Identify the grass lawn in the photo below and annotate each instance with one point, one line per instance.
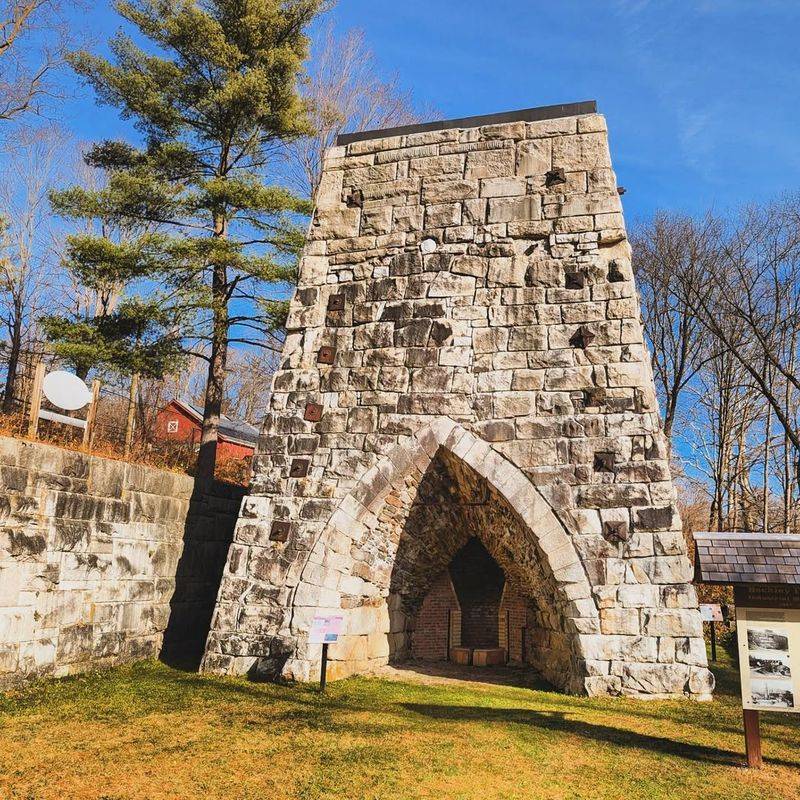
(151, 732)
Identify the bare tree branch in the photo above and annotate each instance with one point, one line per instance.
(345, 93)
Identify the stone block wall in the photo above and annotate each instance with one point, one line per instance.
(89, 550)
(466, 291)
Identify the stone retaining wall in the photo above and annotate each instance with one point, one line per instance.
(89, 550)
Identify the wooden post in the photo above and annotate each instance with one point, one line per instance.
(134, 389)
(36, 400)
(752, 738)
(88, 431)
(508, 636)
(713, 641)
(449, 634)
(323, 675)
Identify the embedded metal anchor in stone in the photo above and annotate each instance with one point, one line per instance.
(312, 412)
(582, 338)
(280, 530)
(616, 532)
(336, 302)
(299, 468)
(555, 176)
(326, 355)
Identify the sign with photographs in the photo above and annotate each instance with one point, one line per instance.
(769, 658)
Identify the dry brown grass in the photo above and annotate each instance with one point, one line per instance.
(151, 733)
(171, 457)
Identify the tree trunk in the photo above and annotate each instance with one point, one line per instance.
(788, 448)
(215, 385)
(767, 437)
(13, 363)
(215, 392)
(740, 510)
(129, 425)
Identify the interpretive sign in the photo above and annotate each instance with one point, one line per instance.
(769, 658)
(764, 570)
(325, 629)
(711, 612)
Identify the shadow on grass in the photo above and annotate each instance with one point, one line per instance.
(558, 722)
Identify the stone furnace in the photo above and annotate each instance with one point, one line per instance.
(465, 391)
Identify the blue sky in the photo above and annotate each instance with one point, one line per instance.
(701, 96)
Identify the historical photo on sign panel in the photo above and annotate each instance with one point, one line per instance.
(769, 664)
(771, 693)
(768, 639)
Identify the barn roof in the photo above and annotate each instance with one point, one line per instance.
(743, 558)
(232, 430)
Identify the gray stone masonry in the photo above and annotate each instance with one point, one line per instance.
(466, 303)
(89, 549)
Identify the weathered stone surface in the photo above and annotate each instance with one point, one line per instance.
(87, 579)
(490, 380)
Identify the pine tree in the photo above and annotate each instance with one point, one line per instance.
(213, 99)
(137, 338)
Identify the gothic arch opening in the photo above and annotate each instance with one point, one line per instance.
(468, 574)
(400, 530)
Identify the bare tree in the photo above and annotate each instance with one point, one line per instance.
(28, 259)
(671, 254)
(749, 301)
(720, 418)
(249, 382)
(345, 93)
(34, 40)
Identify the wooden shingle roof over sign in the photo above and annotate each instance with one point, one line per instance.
(746, 558)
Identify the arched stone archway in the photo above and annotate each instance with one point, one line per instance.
(371, 523)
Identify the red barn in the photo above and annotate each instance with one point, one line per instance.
(182, 422)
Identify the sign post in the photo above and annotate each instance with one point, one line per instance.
(323, 669)
(768, 635)
(752, 738)
(712, 613)
(764, 570)
(88, 431)
(36, 400)
(324, 631)
(66, 391)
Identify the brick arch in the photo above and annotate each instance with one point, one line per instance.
(356, 519)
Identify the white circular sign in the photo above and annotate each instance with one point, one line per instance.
(65, 390)
(428, 246)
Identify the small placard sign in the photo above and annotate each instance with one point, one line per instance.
(711, 612)
(325, 629)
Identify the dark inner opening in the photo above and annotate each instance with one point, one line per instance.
(478, 582)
